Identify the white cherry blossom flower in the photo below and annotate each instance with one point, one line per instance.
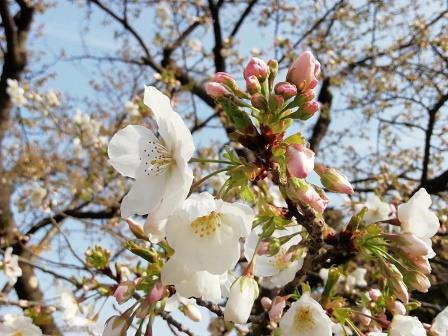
(357, 278)
(132, 108)
(18, 325)
(52, 98)
(406, 326)
(440, 323)
(11, 266)
(305, 317)
(159, 165)
(280, 269)
(15, 92)
(243, 293)
(415, 216)
(191, 283)
(377, 210)
(340, 330)
(205, 232)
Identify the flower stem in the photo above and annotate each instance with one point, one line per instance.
(205, 178)
(211, 161)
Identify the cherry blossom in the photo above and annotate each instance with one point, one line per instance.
(16, 325)
(159, 165)
(279, 269)
(206, 230)
(377, 210)
(11, 266)
(406, 326)
(415, 216)
(15, 92)
(306, 317)
(440, 323)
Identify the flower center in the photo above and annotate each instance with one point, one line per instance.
(304, 319)
(206, 225)
(281, 260)
(18, 333)
(157, 159)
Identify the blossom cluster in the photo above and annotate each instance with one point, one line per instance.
(263, 229)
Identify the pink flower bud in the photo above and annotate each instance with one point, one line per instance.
(419, 281)
(333, 180)
(224, 78)
(308, 110)
(400, 290)
(156, 293)
(256, 67)
(374, 294)
(253, 85)
(422, 263)
(136, 229)
(263, 248)
(124, 291)
(398, 308)
(259, 101)
(300, 161)
(285, 89)
(276, 311)
(217, 90)
(276, 102)
(311, 197)
(266, 303)
(304, 71)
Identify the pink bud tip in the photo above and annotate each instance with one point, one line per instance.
(256, 67)
(216, 90)
(285, 89)
(304, 71)
(156, 292)
(300, 161)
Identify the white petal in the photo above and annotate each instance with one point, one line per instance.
(125, 148)
(415, 216)
(239, 215)
(178, 184)
(172, 129)
(406, 325)
(190, 283)
(440, 323)
(144, 195)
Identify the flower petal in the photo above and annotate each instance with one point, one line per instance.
(125, 148)
(144, 195)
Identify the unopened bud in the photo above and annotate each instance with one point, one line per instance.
(266, 303)
(157, 292)
(273, 68)
(217, 90)
(253, 85)
(304, 71)
(136, 229)
(276, 102)
(300, 160)
(421, 263)
(276, 311)
(285, 89)
(299, 190)
(256, 67)
(192, 312)
(259, 101)
(374, 294)
(124, 291)
(419, 281)
(308, 110)
(333, 180)
(230, 82)
(397, 308)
